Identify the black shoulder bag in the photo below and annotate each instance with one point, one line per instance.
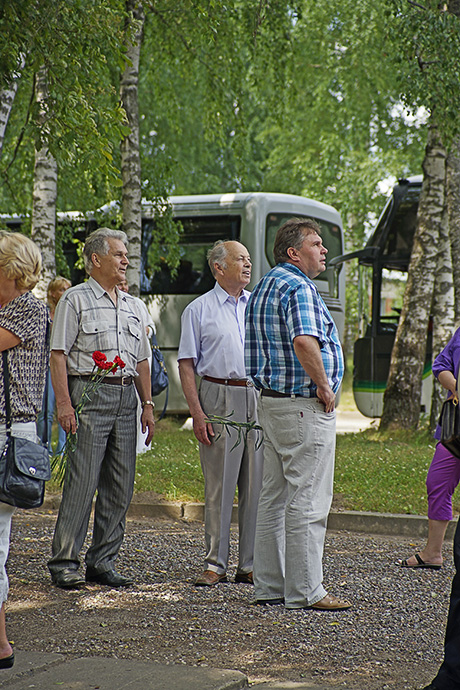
(449, 421)
(24, 465)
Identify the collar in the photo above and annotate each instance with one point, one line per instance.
(98, 290)
(296, 271)
(222, 295)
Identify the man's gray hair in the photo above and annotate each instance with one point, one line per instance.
(217, 255)
(96, 243)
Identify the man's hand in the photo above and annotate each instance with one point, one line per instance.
(66, 417)
(327, 396)
(65, 411)
(202, 430)
(148, 423)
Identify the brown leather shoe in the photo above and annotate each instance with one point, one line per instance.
(330, 603)
(209, 578)
(245, 578)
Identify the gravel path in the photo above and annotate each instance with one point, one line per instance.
(391, 638)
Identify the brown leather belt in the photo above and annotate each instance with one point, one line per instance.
(228, 382)
(112, 380)
(269, 393)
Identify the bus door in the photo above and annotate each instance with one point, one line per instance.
(383, 266)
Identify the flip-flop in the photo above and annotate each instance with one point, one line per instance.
(420, 564)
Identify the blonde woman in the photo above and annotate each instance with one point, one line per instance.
(23, 326)
(56, 289)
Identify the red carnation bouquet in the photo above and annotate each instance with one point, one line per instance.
(101, 369)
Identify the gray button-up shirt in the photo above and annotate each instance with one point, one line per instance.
(87, 320)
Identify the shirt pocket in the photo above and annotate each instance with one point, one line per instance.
(94, 335)
(133, 335)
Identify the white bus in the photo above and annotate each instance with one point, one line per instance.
(251, 218)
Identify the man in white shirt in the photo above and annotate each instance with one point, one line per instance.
(212, 346)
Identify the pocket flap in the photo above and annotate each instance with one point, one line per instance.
(31, 459)
(91, 327)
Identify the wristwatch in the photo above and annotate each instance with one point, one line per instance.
(147, 402)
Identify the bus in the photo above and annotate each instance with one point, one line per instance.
(383, 266)
(253, 219)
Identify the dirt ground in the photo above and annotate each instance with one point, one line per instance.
(391, 638)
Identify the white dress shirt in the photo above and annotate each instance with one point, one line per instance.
(212, 334)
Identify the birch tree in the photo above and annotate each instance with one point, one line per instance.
(443, 312)
(453, 209)
(44, 193)
(401, 402)
(430, 37)
(7, 95)
(130, 155)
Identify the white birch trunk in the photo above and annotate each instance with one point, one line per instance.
(130, 157)
(401, 405)
(44, 201)
(453, 209)
(442, 311)
(7, 97)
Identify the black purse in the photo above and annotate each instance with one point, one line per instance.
(24, 465)
(449, 421)
(158, 373)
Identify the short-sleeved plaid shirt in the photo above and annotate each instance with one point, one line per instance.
(283, 305)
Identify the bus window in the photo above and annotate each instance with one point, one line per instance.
(391, 299)
(330, 233)
(193, 276)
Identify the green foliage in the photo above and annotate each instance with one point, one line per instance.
(295, 97)
(83, 121)
(429, 45)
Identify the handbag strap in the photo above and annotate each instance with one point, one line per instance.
(6, 387)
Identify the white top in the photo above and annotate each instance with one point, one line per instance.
(213, 334)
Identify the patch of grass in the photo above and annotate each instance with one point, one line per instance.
(377, 472)
(383, 472)
(172, 466)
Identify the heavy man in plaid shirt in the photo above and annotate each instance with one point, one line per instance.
(293, 355)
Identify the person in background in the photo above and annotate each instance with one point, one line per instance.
(293, 355)
(96, 316)
(212, 346)
(448, 676)
(444, 472)
(23, 328)
(150, 330)
(56, 289)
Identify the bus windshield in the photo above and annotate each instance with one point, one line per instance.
(193, 276)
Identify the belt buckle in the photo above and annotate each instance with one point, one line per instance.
(125, 381)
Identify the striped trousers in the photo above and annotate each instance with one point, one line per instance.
(104, 461)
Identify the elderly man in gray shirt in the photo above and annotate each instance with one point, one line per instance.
(96, 316)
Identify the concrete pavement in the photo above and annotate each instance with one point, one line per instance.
(46, 671)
